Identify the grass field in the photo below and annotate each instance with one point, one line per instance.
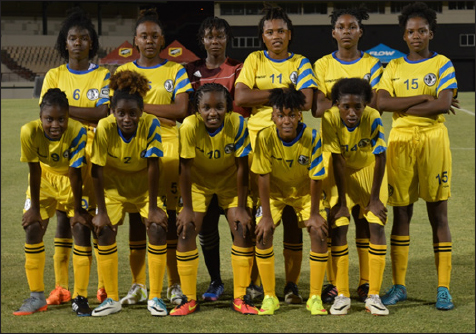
(417, 315)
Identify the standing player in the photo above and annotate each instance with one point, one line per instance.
(288, 163)
(418, 89)
(53, 146)
(86, 86)
(125, 171)
(347, 62)
(214, 36)
(167, 99)
(353, 133)
(214, 141)
(262, 71)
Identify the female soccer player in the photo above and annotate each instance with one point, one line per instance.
(346, 62)
(53, 146)
(289, 166)
(214, 141)
(419, 88)
(214, 35)
(168, 100)
(125, 171)
(262, 71)
(353, 133)
(86, 86)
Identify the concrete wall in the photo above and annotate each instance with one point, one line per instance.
(41, 40)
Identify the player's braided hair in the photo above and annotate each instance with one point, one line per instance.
(54, 97)
(77, 17)
(289, 98)
(351, 86)
(218, 24)
(274, 12)
(360, 13)
(129, 85)
(418, 9)
(148, 15)
(212, 87)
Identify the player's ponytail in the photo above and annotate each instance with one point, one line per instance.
(129, 85)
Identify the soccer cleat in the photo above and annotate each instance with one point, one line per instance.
(329, 293)
(374, 305)
(244, 305)
(32, 305)
(101, 295)
(80, 305)
(214, 291)
(174, 294)
(254, 291)
(58, 296)
(291, 294)
(185, 308)
(363, 291)
(396, 293)
(341, 305)
(137, 294)
(444, 301)
(314, 304)
(269, 305)
(156, 307)
(109, 306)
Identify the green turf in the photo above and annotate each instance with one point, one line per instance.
(418, 314)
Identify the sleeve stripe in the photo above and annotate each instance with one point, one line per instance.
(304, 62)
(246, 151)
(157, 137)
(377, 136)
(240, 142)
(316, 162)
(153, 152)
(308, 84)
(180, 85)
(304, 74)
(379, 149)
(444, 80)
(446, 66)
(79, 163)
(316, 147)
(375, 124)
(155, 124)
(108, 75)
(80, 147)
(375, 81)
(321, 172)
(375, 68)
(240, 130)
(78, 138)
(101, 102)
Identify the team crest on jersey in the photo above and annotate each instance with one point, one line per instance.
(104, 94)
(293, 77)
(169, 85)
(259, 212)
(430, 79)
(142, 154)
(66, 154)
(364, 142)
(303, 160)
(367, 77)
(93, 94)
(390, 190)
(229, 148)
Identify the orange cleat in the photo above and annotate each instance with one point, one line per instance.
(58, 296)
(244, 305)
(185, 308)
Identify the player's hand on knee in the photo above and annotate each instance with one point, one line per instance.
(184, 217)
(32, 216)
(264, 230)
(378, 209)
(157, 216)
(82, 217)
(100, 221)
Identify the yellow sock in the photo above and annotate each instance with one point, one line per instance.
(63, 248)
(363, 252)
(317, 268)
(96, 254)
(242, 262)
(330, 268)
(35, 266)
(377, 266)
(400, 246)
(82, 267)
(292, 261)
(109, 266)
(443, 262)
(340, 255)
(187, 265)
(157, 260)
(265, 262)
(137, 251)
(173, 276)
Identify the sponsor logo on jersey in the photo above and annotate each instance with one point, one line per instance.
(430, 79)
(169, 85)
(293, 77)
(303, 160)
(104, 93)
(364, 142)
(93, 94)
(229, 148)
(367, 77)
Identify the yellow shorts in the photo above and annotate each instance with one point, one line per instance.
(169, 167)
(227, 198)
(359, 186)
(301, 206)
(419, 165)
(55, 193)
(117, 208)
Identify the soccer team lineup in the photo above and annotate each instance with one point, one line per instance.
(173, 147)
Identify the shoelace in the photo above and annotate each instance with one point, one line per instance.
(443, 295)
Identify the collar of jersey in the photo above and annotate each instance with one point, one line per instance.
(158, 65)
(343, 62)
(50, 139)
(127, 141)
(92, 67)
(277, 60)
(419, 61)
(350, 129)
(214, 133)
(300, 131)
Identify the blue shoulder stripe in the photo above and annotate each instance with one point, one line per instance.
(375, 68)
(102, 101)
(379, 149)
(78, 163)
(76, 140)
(375, 81)
(107, 76)
(242, 121)
(155, 124)
(316, 162)
(309, 83)
(81, 146)
(240, 142)
(157, 137)
(153, 152)
(317, 146)
(377, 136)
(445, 80)
(443, 68)
(246, 151)
(375, 124)
(321, 172)
(304, 61)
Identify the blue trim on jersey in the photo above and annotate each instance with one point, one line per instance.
(157, 137)
(350, 129)
(76, 140)
(127, 141)
(214, 133)
(445, 80)
(101, 102)
(343, 62)
(418, 61)
(153, 126)
(375, 81)
(379, 149)
(240, 129)
(300, 131)
(240, 142)
(304, 61)
(80, 147)
(156, 66)
(316, 162)
(317, 146)
(304, 74)
(308, 83)
(108, 75)
(95, 67)
(278, 60)
(51, 139)
(446, 66)
(377, 136)
(246, 151)
(314, 134)
(153, 152)
(377, 122)
(181, 84)
(78, 163)
(321, 172)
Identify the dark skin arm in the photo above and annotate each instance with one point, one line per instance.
(32, 215)
(169, 113)
(156, 214)
(81, 216)
(266, 223)
(316, 220)
(187, 214)
(89, 115)
(101, 219)
(376, 206)
(242, 216)
(340, 209)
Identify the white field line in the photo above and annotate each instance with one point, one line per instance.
(466, 111)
